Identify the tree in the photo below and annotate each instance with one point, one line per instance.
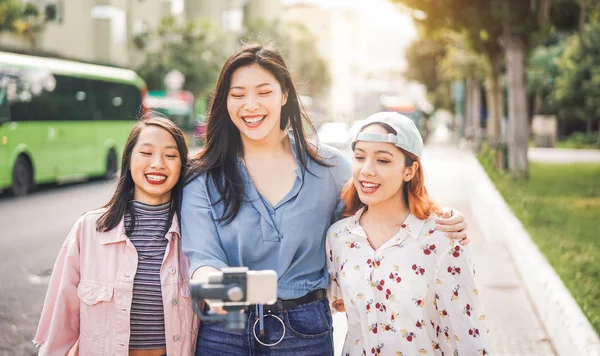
(422, 57)
(514, 22)
(542, 71)
(298, 47)
(576, 89)
(194, 49)
(480, 26)
(21, 19)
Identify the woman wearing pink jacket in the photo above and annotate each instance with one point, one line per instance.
(120, 284)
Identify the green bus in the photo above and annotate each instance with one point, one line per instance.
(63, 120)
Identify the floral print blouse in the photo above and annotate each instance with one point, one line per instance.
(415, 295)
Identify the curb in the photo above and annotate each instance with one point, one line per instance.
(568, 328)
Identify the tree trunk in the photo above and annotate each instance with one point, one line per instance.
(494, 100)
(494, 104)
(589, 127)
(515, 46)
(598, 140)
(468, 108)
(518, 126)
(583, 5)
(476, 113)
(544, 11)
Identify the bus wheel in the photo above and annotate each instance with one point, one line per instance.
(111, 165)
(22, 177)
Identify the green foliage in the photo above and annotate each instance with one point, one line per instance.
(21, 19)
(461, 60)
(194, 49)
(559, 206)
(486, 157)
(542, 71)
(422, 57)
(577, 86)
(436, 60)
(580, 140)
(298, 47)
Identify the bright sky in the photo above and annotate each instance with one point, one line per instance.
(379, 13)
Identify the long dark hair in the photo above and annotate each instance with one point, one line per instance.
(120, 203)
(218, 158)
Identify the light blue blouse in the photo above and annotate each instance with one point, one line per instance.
(288, 238)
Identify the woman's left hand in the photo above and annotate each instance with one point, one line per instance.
(453, 223)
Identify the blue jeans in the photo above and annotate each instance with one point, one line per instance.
(308, 332)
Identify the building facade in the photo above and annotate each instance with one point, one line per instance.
(103, 31)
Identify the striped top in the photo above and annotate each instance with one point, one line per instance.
(147, 313)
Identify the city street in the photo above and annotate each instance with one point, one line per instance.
(32, 231)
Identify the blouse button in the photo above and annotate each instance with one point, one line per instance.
(176, 338)
(172, 270)
(174, 302)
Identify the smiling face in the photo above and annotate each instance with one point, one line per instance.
(155, 166)
(379, 170)
(254, 102)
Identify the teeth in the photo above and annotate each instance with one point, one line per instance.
(155, 178)
(369, 185)
(254, 119)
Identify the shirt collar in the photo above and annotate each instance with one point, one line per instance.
(412, 225)
(119, 234)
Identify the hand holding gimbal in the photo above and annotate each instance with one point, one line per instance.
(236, 288)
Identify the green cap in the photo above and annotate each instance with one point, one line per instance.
(407, 135)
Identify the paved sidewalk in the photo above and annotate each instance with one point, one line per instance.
(515, 327)
(563, 155)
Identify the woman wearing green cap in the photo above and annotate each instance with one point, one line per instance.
(406, 288)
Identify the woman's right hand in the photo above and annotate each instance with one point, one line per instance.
(201, 274)
(215, 307)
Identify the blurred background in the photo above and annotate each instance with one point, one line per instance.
(515, 81)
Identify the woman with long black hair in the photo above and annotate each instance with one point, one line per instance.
(261, 195)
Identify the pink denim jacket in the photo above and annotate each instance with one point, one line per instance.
(87, 306)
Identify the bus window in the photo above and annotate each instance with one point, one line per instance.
(4, 113)
(69, 101)
(115, 101)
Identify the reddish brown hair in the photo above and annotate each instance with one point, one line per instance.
(414, 192)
